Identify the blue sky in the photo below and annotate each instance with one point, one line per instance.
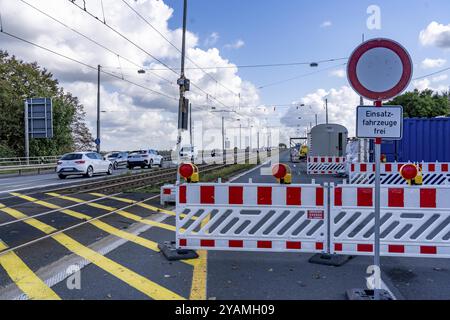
(290, 31)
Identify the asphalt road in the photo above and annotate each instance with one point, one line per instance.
(119, 258)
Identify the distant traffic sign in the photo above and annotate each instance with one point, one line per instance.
(97, 141)
(382, 122)
(39, 115)
(379, 69)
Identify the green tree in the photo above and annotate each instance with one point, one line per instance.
(20, 80)
(423, 104)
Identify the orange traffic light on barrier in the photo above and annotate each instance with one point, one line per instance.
(282, 173)
(411, 173)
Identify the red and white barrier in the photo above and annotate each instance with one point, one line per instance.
(433, 173)
(415, 220)
(252, 217)
(325, 165)
(167, 194)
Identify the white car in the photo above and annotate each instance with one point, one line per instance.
(83, 163)
(188, 153)
(144, 158)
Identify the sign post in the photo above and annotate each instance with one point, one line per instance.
(379, 69)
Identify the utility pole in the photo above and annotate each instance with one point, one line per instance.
(190, 125)
(223, 140)
(184, 86)
(316, 120)
(27, 134)
(97, 141)
(240, 135)
(326, 110)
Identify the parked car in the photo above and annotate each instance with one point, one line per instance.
(118, 159)
(83, 163)
(188, 153)
(144, 158)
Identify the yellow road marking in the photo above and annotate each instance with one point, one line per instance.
(133, 279)
(99, 224)
(146, 286)
(25, 279)
(108, 228)
(143, 205)
(123, 213)
(199, 275)
(32, 222)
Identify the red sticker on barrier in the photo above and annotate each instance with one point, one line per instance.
(167, 191)
(207, 194)
(294, 196)
(396, 197)
(388, 167)
(365, 198)
(293, 245)
(207, 243)
(365, 248)
(236, 195)
(392, 248)
(182, 198)
(316, 214)
(264, 195)
(236, 244)
(338, 197)
(264, 244)
(444, 167)
(319, 196)
(428, 198)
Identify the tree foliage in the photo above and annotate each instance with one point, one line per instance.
(20, 80)
(423, 104)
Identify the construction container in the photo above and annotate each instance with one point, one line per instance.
(328, 140)
(424, 139)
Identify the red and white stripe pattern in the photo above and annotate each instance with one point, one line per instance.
(251, 245)
(396, 166)
(393, 249)
(325, 165)
(423, 197)
(252, 217)
(251, 195)
(325, 159)
(415, 220)
(168, 194)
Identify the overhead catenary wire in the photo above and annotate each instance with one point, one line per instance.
(174, 46)
(300, 76)
(94, 41)
(143, 50)
(87, 65)
(124, 37)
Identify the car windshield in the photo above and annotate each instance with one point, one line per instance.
(113, 155)
(72, 156)
(138, 152)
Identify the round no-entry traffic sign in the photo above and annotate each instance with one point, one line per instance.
(379, 69)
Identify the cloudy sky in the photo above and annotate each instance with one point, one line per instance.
(226, 38)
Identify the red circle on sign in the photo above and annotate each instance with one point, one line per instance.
(279, 171)
(186, 170)
(402, 84)
(409, 171)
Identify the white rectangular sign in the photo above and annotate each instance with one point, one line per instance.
(379, 122)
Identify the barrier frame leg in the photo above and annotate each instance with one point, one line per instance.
(172, 253)
(328, 259)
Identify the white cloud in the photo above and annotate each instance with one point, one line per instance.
(436, 34)
(440, 78)
(136, 118)
(342, 105)
(235, 45)
(326, 24)
(433, 63)
(211, 40)
(340, 73)
(426, 83)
